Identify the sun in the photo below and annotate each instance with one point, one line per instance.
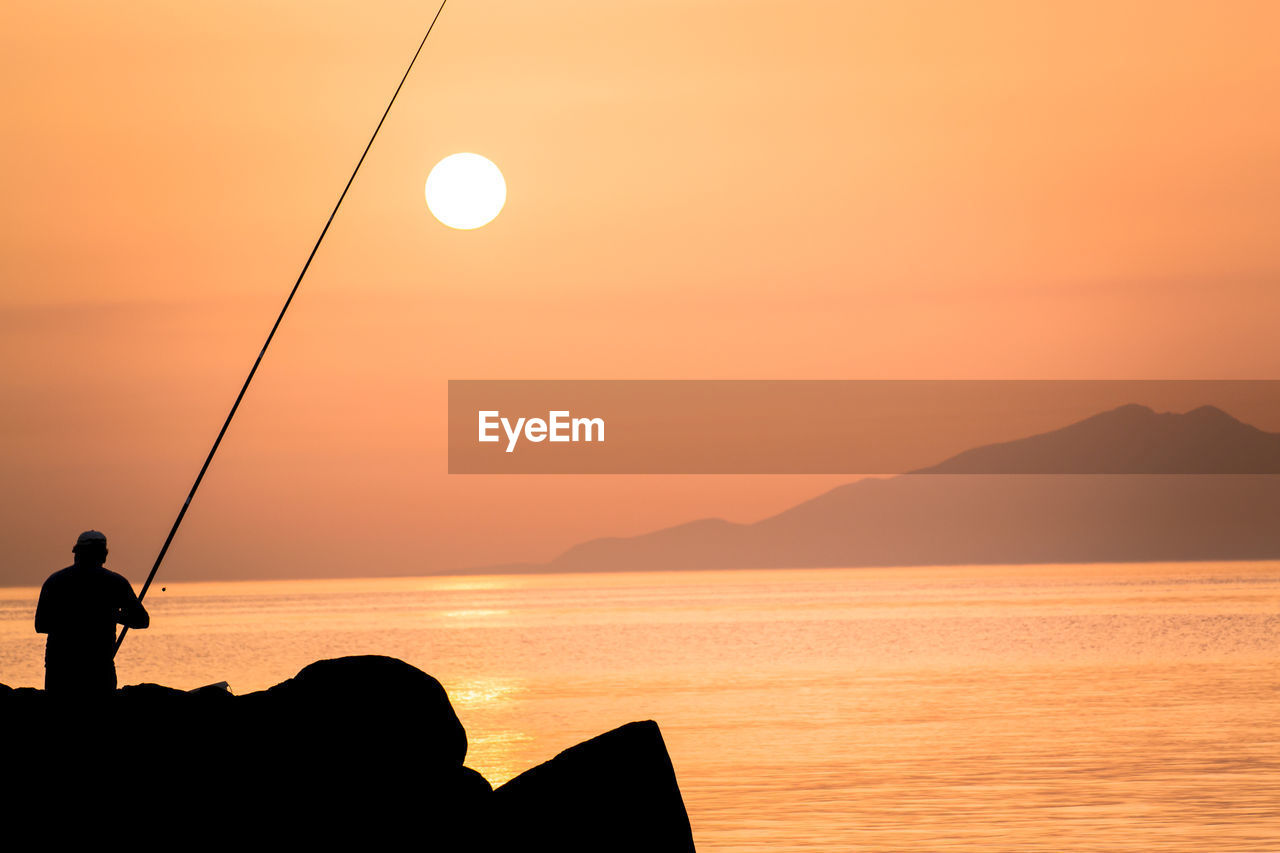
(465, 191)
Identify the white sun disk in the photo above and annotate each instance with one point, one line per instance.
(465, 191)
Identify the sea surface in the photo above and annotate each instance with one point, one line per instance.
(974, 708)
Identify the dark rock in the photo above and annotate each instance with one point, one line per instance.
(359, 752)
(392, 710)
(354, 752)
(615, 792)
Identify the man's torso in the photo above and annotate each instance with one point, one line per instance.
(80, 604)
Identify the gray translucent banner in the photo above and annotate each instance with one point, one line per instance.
(864, 426)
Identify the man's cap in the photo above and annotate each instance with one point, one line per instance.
(91, 537)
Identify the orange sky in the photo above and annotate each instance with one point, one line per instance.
(696, 190)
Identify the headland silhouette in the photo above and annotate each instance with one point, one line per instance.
(1126, 485)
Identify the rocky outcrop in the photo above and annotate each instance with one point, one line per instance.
(615, 792)
(352, 753)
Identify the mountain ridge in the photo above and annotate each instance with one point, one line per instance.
(1125, 485)
(1130, 439)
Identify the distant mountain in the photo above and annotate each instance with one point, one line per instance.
(1125, 485)
(1132, 439)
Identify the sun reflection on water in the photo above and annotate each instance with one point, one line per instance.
(496, 753)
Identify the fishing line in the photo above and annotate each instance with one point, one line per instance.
(236, 405)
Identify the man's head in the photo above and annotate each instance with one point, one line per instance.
(91, 548)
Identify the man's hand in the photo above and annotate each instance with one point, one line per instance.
(135, 617)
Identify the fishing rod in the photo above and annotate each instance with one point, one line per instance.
(164, 549)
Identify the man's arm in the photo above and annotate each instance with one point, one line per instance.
(43, 610)
(131, 613)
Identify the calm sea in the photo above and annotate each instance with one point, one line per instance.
(1055, 708)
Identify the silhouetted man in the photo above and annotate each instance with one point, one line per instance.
(79, 609)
